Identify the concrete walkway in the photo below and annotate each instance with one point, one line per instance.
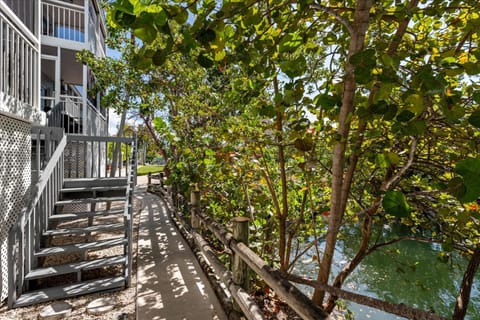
(170, 283)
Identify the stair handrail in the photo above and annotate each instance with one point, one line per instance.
(128, 211)
(46, 189)
(50, 136)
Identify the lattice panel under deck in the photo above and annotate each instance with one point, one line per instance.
(15, 177)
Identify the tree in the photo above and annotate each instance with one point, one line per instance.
(391, 84)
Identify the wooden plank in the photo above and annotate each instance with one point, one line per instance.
(78, 138)
(89, 200)
(62, 292)
(95, 182)
(80, 247)
(94, 188)
(81, 215)
(95, 228)
(74, 267)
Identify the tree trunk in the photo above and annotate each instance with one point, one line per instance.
(150, 129)
(117, 147)
(464, 293)
(353, 264)
(360, 26)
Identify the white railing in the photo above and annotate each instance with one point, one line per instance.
(47, 103)
(96, 29)
(63, 20)
(69, 114)
(45, 141)
(25, 235)
(19, 59)
(96, 121)
(71, 156)
(26, 11)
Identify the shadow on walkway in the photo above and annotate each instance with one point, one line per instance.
(170, 282)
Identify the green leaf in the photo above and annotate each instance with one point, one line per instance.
(363, 75)
(469, 169)
(380, 108)
(476, 96)
(364, 58)
(205, 61)
(472, 68)
(159, 57)
(123, 5)
(205, 36)
(294, 68)
(220, 55)
(147, 33)
(181, 16)
(388, 61)
(383, 93)
(327, 102)
(416, 103)
(160, 18)
(395, 203)
(405, 116)
(290, 42)
(267, 111)
(474, 119)
(391, 112)
(416, 127)
(392, 158)
(121, 18)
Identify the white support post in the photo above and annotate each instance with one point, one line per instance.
(58, 73)
(86, 27)
(37, 11)
(84, 100)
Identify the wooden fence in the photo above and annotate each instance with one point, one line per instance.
(244, 260)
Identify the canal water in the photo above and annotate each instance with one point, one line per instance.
(407, 272)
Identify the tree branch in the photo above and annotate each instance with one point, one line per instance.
(397, 309)
(333, 13)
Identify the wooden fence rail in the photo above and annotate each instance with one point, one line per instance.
(243, 256)
(278, 281)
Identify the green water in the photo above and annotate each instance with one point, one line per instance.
(408, 272)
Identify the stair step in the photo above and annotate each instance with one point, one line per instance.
(91, 189)
(101, 227)
(74, 267)
(80, 215)
(80, 247)
(63, 292)
(89, 200)
(94, 182)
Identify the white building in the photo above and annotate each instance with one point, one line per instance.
(41, 83)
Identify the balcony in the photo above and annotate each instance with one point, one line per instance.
(19, 65)
(67, 21)
(63, 20)
(26, 11)
(75, 116)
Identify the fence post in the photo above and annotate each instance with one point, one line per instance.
(161, 179)
(149, 179)
(195, 207)
(174, 195)
(240, 272)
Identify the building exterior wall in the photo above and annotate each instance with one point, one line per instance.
(19, 108)
(15, 177)
(24, 32)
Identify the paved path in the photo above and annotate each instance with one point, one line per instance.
(170, 282)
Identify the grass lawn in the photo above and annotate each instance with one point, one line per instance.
(143, 170)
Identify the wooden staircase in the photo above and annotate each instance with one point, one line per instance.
(84, 249)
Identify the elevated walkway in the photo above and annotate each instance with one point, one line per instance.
(170, 283)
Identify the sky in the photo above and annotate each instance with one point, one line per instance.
(114, 118)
